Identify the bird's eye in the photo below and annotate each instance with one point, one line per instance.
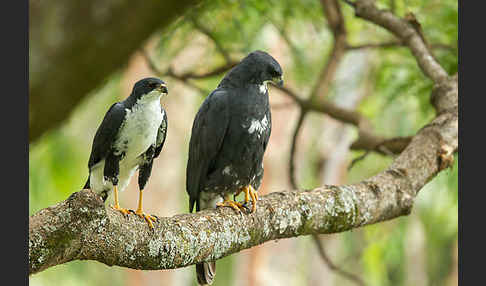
(273, 72)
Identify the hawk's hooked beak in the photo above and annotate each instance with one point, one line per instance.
(278, 80)
(163, 88)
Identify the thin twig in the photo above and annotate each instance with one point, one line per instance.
(393, 6)
(201, 28)
(285, 37)
(350, 3)
(214, 72)
(390, 44)
(359, 158)
(395, 44)
(184, 78)
(382, 146)
(293, 148)
(350, 276)
(408, 31)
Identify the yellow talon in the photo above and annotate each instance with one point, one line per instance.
(254, 198)
(117, 205)
(229, 203)
(250, 192)
(247, 195)
(122, 210)
(140, 213)
(148, 218)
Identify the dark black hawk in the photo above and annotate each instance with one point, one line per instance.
(131, 135)
(229, 136)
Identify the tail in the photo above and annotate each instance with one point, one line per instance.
(207, 270)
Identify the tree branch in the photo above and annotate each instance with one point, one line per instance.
(335, 20)
(81, 228)
(214, 72)
(212, 37)
(184, 77)
(71, 54)
(293, 149)
(393, 44)
(388, 147)
(322, 252)
(389, 44)
(407, 33)
(383, 146)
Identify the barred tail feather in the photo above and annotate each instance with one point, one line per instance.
(205, 272)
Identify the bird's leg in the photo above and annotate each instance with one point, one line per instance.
(141, 214)
(254, 197)
(247, 193)
(229, 203)
(117, 205)
(236, 194)
(247, 196)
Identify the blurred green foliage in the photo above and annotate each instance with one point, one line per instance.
(397, 106)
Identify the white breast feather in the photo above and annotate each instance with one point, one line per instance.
(140, 128)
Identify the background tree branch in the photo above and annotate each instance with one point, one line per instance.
(322, 252)
(72, 60)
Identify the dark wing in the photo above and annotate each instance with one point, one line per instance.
(266, 137)
(268, 131)
(106, 133)
(208, 131)
(161, 134)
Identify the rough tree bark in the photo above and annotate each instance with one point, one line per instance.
(67, 59)
(81, 227)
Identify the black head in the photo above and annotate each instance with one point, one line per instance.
(258, 67)
(147, 87)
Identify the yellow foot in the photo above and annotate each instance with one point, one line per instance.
(148, 218)
(122, 210)
(229, 203)
(251, 192)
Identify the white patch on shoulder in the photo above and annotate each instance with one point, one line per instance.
(259, 126)
(227, 170)
(263, 88)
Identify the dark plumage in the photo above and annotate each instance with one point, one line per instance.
(229, 136)
(130, 137)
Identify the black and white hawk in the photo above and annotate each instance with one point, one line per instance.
(129, 138)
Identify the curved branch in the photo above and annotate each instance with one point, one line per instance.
(335, 20)
(81, 228)
(213, 38)
(350, 276)
(71, 54)
(407, 33)
(394, 44)
(383, 146)
(214, 72)
(293, 149)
